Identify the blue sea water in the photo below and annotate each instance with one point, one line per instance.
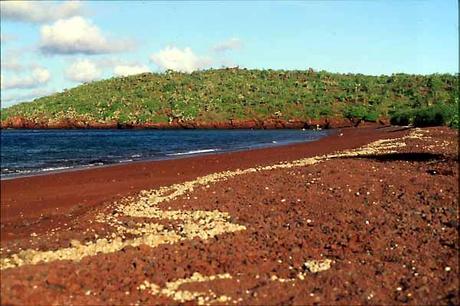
(28, 152)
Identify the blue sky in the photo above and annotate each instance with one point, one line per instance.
(49, 46)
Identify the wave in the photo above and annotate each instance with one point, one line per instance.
(13, 172)
(55, 168)
(193, 152)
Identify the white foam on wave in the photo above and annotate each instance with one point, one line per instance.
(34, 171)
(96, 164)
(54, 168)
(193, 152)
(125, 160)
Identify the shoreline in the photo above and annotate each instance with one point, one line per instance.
(13, 176)
(53, 198)
(343, 214)
(269, 123)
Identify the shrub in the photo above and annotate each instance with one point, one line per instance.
(438, 114)
(360, 112)
(401, 117)
(454, 122)
(429, 116)
(371, 116)
(250, 94)
(453, 115)
(325, 110)
(355, 112)
(434, 115)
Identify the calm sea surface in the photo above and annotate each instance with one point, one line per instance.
(27, 152)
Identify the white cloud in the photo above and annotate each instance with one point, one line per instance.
(10, 99)
(229, 44)
(14, 60)
(11, 63)
(111, 62)
(6, 37)
(125, 70)
(83, 70)
(39, 76)
(39, 11)
(179, 60)
(78, 35)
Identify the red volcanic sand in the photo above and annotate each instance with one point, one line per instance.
(389, 224)
(58, 197)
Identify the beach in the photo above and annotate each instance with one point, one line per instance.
(365, 215)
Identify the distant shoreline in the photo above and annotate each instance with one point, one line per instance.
(323, 123)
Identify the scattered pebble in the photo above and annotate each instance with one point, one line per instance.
(315, 266)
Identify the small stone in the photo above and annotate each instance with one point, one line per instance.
(315, 266)
(447, 269)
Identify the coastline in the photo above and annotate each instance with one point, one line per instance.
(331, 221)
(270, 123)
(32, 197)
(171, 156)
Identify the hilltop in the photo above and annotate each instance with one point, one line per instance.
(233, 97)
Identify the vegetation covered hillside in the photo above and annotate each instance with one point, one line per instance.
(241, 94)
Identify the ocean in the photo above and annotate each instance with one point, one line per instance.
(29, 152)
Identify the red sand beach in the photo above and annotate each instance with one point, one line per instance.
(29, 197)
(378, 225)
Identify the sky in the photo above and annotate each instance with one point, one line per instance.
(48, 46)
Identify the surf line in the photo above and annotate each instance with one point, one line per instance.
(192, 224)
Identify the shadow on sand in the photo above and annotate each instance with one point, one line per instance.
(414, 156)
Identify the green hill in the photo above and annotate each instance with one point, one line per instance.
(241, 94)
